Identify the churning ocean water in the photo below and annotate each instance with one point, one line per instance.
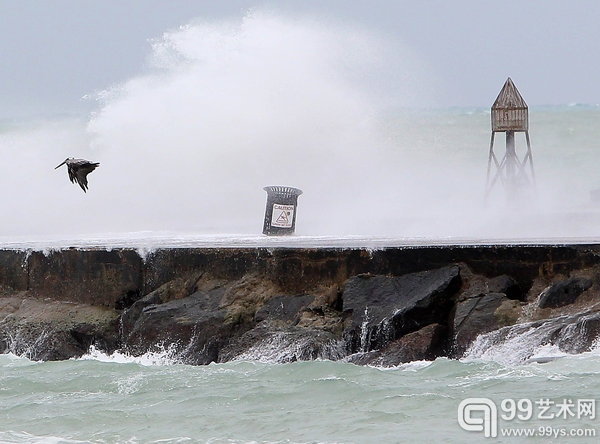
(120, 399)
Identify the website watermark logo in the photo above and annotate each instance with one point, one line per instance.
(482, 415)
(488, 424)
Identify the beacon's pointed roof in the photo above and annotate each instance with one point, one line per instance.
(509, 97)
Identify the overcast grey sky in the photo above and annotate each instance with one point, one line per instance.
(52, 53)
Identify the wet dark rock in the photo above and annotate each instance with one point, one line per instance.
(481, 314)
(194, 325)
(507, 285)
(519, 343)
(577, 334)
(274, 343)
(55, 330)
(564, 292)
(424, 344)
(289, 328)
(284, 308)
(199, 316)
(382, 309)
(285, 304)
(176, 289)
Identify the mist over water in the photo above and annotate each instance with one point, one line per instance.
(226, 108)
(232, 108)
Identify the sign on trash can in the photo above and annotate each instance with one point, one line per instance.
(280, 214)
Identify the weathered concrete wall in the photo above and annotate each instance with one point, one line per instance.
(94, 277)
(13, 270)
(111, 278)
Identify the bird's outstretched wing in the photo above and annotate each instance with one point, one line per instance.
(78, 171)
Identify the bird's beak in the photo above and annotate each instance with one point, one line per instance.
(61, 164)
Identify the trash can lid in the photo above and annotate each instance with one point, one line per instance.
(283, 191)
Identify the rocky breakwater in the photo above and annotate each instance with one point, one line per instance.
(381, 307)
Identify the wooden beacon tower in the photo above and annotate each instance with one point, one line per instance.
(510, 115)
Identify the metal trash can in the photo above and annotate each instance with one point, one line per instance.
(280, 214)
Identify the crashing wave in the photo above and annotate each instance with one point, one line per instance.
(161, 356)
(538, 341)
(283, 346)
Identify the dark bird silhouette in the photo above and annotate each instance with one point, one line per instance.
(78, 170)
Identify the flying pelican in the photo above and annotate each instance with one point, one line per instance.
(78, 170)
